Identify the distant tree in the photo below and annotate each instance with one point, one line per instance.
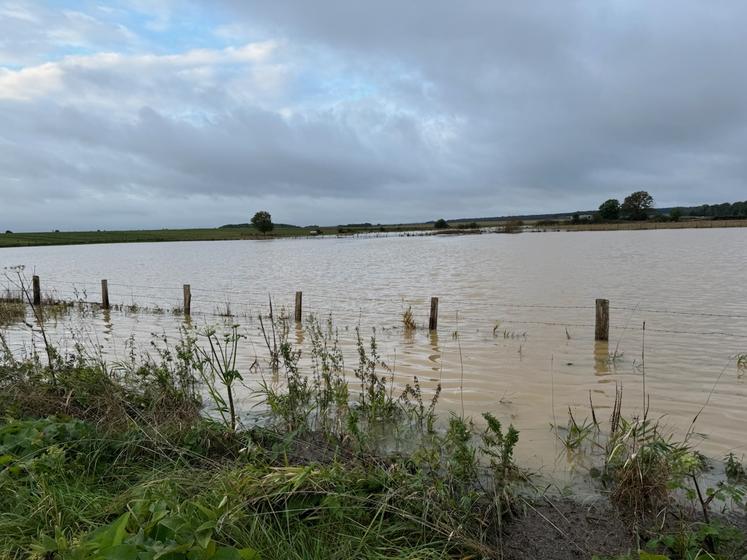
(675, 214)
(576, 218)
(440, 224)
(636, 205)
(263, 221)
(610, 209)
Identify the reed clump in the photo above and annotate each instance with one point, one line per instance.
(660, 484)
(11, 312)
(408, 320)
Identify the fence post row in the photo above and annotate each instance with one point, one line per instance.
(299, 307)
(602, 324)
(187, 300)
(105, 294)
(36, 287)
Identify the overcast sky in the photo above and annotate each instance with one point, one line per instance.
(168, 113)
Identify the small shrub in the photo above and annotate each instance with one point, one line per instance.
(513, 226)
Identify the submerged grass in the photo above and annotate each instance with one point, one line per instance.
(11, 312)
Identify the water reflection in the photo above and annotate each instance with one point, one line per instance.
(435, 356)
(108, 325)
(601, 357)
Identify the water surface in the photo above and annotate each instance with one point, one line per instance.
(522, 308)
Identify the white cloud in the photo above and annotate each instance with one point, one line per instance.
(117, 81)
(28, 83)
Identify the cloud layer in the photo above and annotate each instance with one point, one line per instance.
(157, 115)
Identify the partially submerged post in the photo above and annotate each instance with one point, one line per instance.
(105, 294)
(602, 325)
(433, 321)
(36, 288)
(187, 300)
(299, 307)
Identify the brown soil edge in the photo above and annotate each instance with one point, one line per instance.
(565, 529)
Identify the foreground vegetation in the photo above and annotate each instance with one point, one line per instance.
(150, 457)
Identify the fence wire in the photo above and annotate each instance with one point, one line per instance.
(227, 303)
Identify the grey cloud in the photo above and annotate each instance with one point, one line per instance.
(398, 111)
(559, 93)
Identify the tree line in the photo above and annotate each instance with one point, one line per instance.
(636, 206)
(724, 210)
(640, 206)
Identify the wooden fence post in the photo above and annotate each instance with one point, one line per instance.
(36, 288)
(187, 300)
(602, 325)
(299, 307)
(105, 294)
(433, 321)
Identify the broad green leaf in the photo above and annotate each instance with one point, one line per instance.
(113, 534)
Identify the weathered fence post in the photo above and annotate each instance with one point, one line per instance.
(105, 294)
(36, 288)
(602, 325)
(433, 321)
(299, 307)
(187, 300)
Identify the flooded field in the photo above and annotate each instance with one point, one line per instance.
(516, 321)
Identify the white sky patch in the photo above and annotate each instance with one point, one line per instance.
(27, 83)
(196, 69)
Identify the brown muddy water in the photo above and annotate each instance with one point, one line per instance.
(522, 305)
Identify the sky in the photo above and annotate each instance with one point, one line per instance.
(163, 113)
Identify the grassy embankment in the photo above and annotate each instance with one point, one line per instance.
(222, 234)
(138, 236)
(205, 234)
(148, 458)
(649, 224)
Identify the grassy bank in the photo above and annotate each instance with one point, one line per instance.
(649, 224)
(140, 236)
(151, 457)
(224, 234)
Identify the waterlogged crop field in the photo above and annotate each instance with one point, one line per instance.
(516, 320)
